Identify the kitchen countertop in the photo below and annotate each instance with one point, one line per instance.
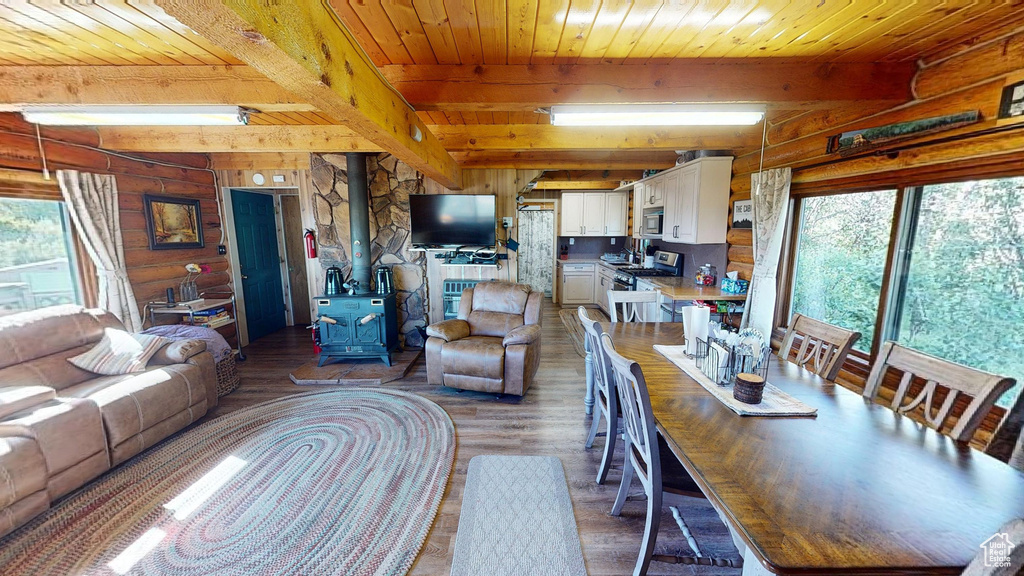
(597, 261)
(682, 288)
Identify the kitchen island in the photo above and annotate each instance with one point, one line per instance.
(677, 288)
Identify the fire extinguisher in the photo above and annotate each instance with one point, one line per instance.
(310, 243)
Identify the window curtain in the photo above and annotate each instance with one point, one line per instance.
(770, 195)
(92, 204)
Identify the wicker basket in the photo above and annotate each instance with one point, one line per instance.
(227, 376)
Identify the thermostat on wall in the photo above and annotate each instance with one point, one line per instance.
(278, 178)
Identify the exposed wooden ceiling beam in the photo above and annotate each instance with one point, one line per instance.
(259, 160)
(548, 137)
(575, 185)
(236, 85)
(301, 45)
(567, 160)
(528, 87)
(610, 175)
(234, 139)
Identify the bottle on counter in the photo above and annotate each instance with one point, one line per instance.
(707, 275)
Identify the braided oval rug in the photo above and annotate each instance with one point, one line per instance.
(345, 482)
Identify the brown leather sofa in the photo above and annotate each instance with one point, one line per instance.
(61, 426)
(493, 345)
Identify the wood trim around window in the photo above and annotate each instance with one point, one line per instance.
(88, 281)
(787, 268)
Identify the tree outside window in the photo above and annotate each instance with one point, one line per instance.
(840, 259)
(964, 297)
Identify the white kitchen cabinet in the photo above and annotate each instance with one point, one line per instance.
(652, 310)
(697, 201)
(605, 280)
(594, 214)
(572, 214)
(576, 284)
(616, 210)
(650, 192)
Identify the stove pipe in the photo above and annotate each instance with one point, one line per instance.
(359, 220)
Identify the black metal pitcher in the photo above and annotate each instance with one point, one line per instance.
(385, 280)
(333, 284)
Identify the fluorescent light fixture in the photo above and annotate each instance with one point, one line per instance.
(137, 115)
(657, 115)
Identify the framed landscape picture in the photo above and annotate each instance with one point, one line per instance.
(173, 223)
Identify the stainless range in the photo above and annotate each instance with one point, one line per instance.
(665, 264)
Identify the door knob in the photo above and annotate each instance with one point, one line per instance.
(244, 277)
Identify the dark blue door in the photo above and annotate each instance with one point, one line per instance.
(260, 262)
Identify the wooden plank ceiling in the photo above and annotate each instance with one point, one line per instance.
(475, 70)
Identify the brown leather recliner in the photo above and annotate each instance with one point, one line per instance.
(494, 344)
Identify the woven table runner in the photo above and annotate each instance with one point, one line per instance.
(775, 402)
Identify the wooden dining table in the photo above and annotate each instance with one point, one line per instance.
(855, 490)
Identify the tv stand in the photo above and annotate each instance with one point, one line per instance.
(458, 258)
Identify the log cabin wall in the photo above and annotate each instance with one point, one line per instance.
(969, 77)
(151, 272)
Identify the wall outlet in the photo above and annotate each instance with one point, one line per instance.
(506, 222)
(572, 241)
(222, 249)
(613, 241)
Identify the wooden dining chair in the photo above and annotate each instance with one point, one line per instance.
(606, 398)
(663, 478)
(822, 345)
(944, 382)
(1007, 442)
(644, 306)
(1011, 537)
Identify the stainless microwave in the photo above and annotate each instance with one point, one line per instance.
(652, 223)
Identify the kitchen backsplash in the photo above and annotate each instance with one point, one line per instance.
(696, 255)
(592, 247)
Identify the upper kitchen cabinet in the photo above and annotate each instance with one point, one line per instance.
(650, 193)
(594, 213)
(697, 201)
(572, 214)
(616, 212)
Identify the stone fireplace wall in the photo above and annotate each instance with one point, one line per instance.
(391, 182)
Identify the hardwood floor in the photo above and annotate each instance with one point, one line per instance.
(548, 421)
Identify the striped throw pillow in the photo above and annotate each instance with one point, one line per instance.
(119, 353)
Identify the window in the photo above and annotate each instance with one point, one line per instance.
(37, 264)
(963, 298)
(840, 259)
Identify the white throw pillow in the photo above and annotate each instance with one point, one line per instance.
(119, 353)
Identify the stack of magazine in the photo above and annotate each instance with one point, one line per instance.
(212, 318)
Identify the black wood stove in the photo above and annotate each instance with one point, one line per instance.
(357, 326)
(359, 323)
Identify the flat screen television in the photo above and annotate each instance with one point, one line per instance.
(452, 220)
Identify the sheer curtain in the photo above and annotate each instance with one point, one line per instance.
(769, 191)
(92, 204)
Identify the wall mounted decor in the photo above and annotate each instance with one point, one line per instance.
(743, 214)
(173, 223)
(1012, 103)
(858, 141)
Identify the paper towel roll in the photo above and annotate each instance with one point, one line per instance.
(695, 325)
